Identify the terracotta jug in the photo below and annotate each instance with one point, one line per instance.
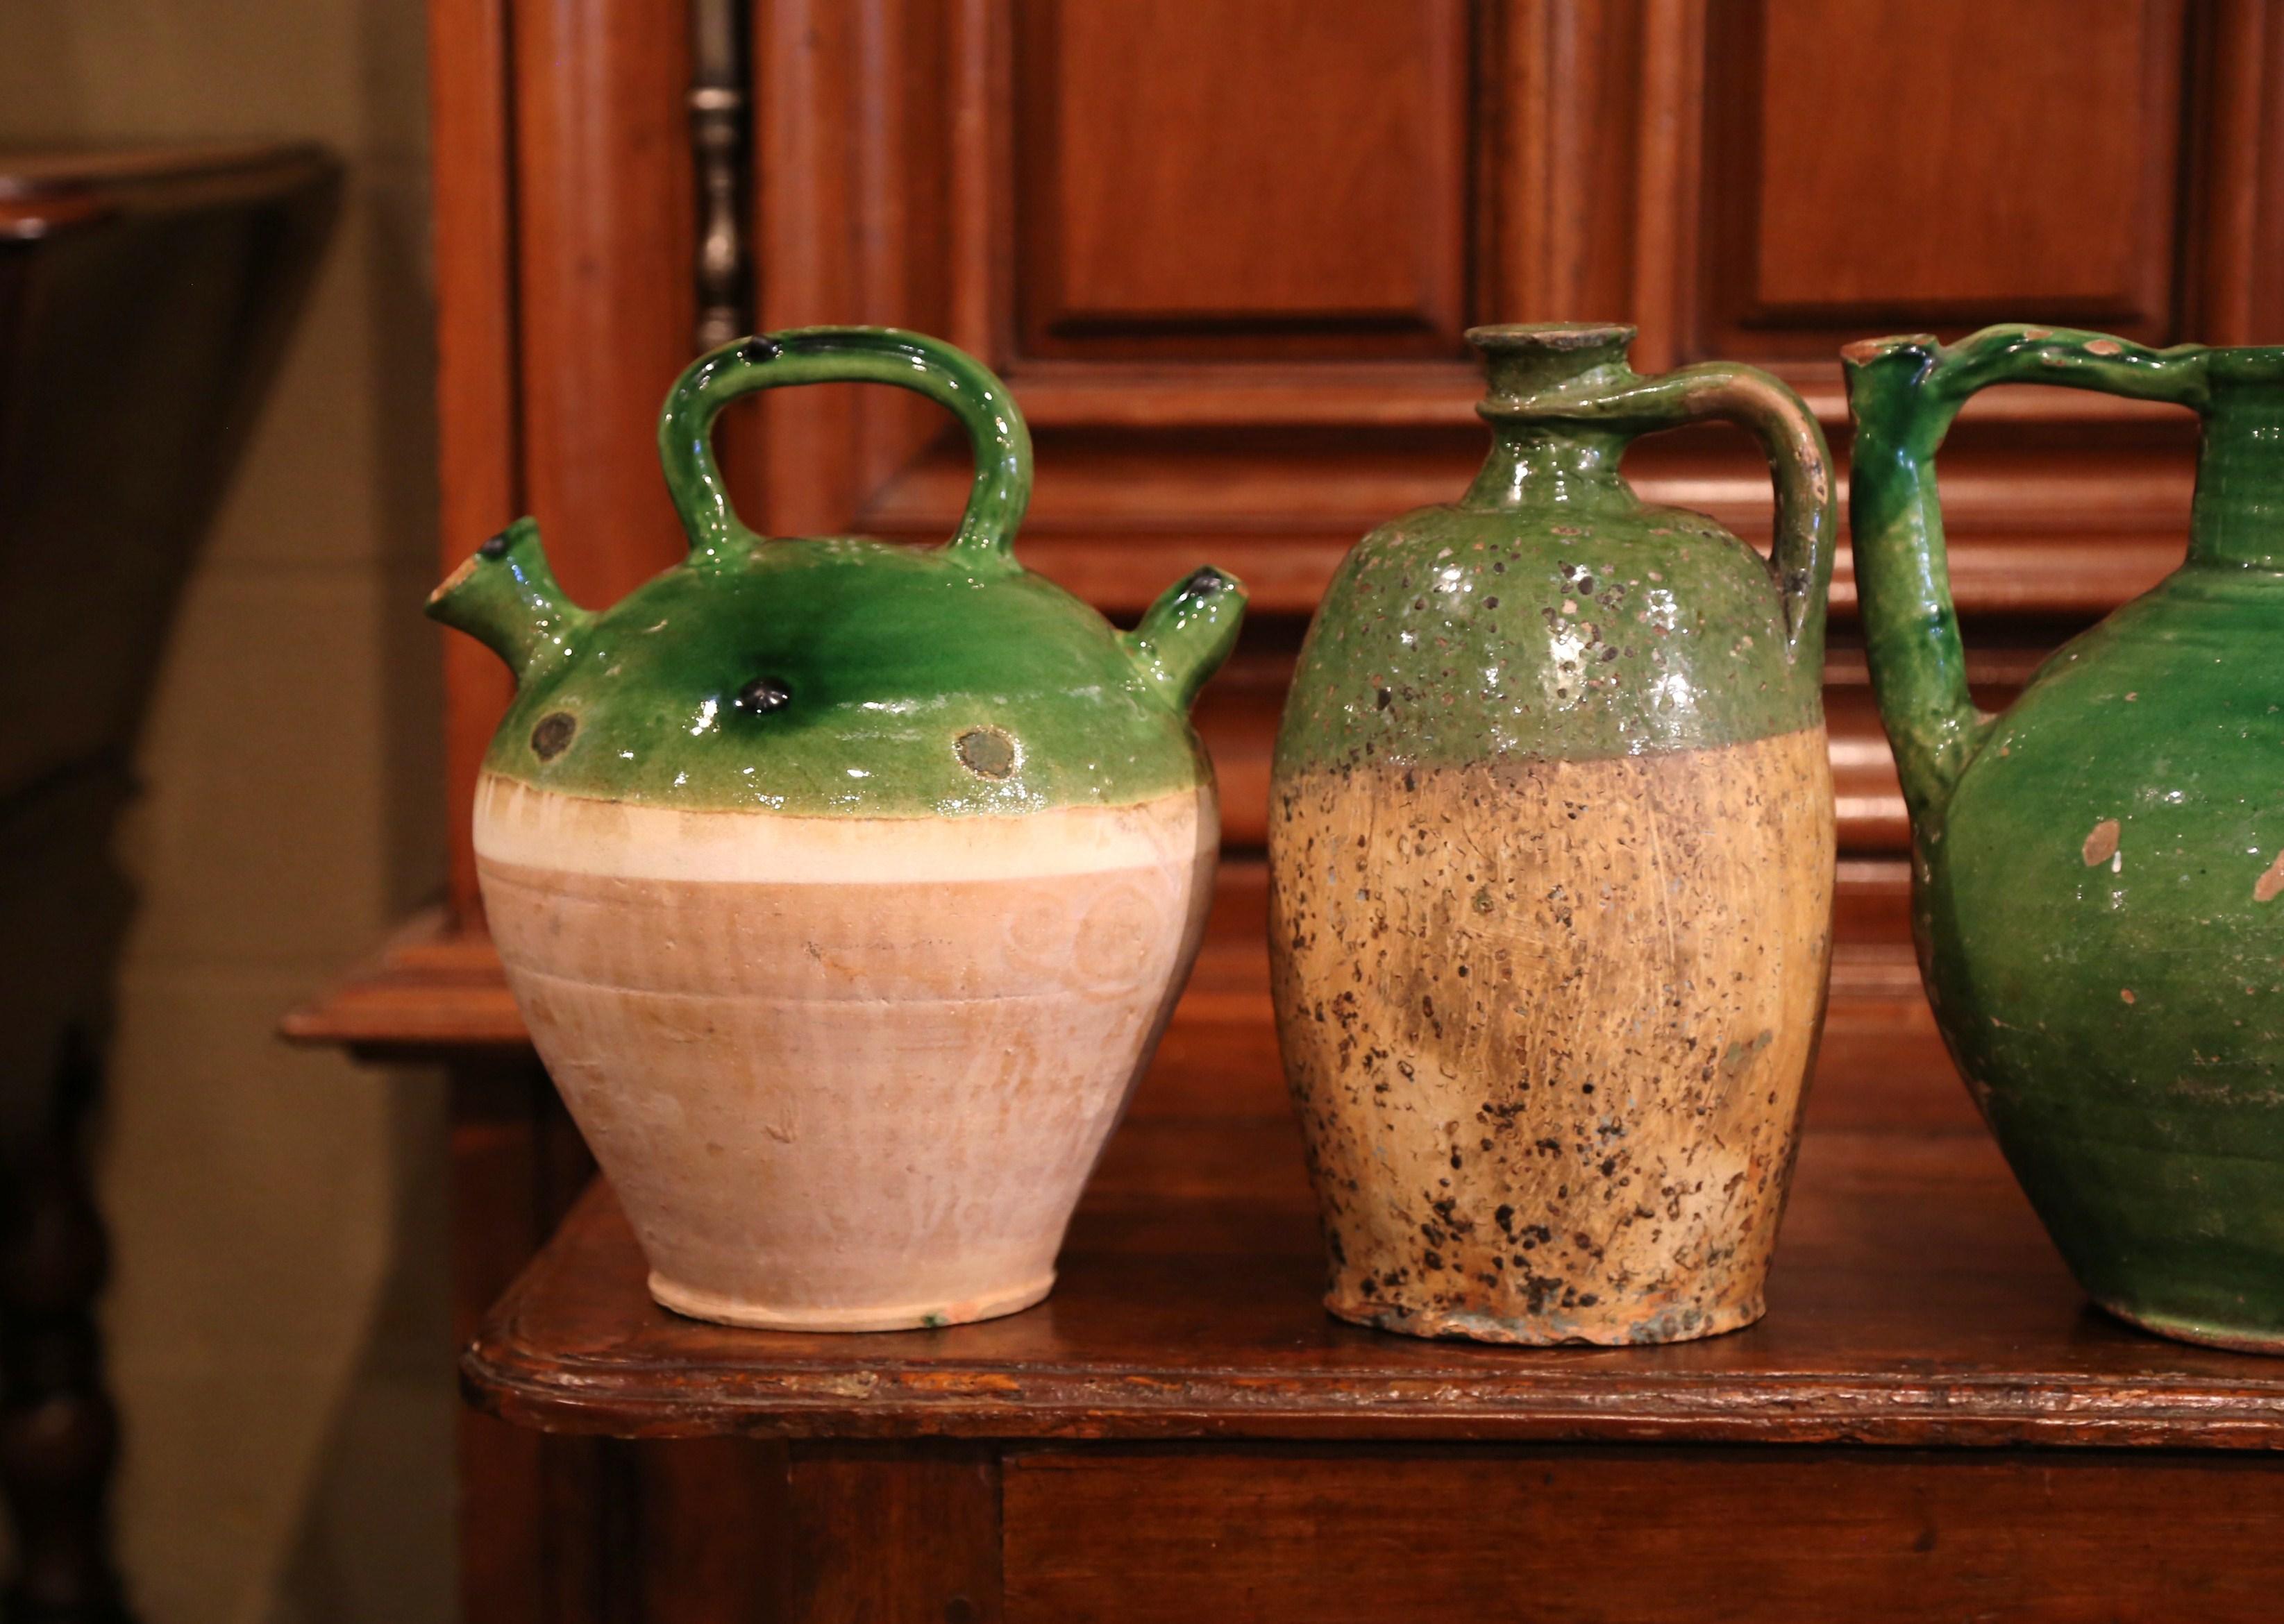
(1551, 866)
(2096, 872)
(845, 886)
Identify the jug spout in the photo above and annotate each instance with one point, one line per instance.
(1188, 633)
(1911, 630)
(506, 598)
(1904, 392)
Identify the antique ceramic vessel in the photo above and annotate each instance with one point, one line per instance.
(1550, 862)
(845, 887)
(2096, 872)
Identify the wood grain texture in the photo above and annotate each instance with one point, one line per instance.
(478, 442)
(1350, 1537)
(875, 1534)
(1958, 197)
(2238, 184)
(1554, 197)
(606, 218)
(1256, 145)
(1547, 1024)
(515, 1164)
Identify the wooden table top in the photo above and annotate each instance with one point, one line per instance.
(1915, 1300)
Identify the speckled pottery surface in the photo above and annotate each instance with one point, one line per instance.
(1551, 866)
(2097, 873)
(845, 887)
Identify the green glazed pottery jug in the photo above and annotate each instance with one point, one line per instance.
(845, 887)
(2095, 873)
(1551, 868)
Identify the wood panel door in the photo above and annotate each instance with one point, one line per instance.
(1226, 250)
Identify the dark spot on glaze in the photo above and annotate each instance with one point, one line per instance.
(553, 737)
(987, 752)
(1204, 583)
(764, 695)
(493, 547)
(756, 350)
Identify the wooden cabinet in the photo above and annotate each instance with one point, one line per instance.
(1226, 250)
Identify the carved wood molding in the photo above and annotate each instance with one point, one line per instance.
(720, 74)
(896, 176)
(929, 214)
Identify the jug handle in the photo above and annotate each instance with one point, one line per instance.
(949, 377)
(1904, 392)
(1800, 466)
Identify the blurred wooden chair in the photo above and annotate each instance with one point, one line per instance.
(144, 297)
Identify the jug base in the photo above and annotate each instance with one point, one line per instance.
(2205, 1333)
(724, 1310)
(1568, 1331)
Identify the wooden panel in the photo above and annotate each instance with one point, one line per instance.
(1640, 1537)
(854, 223)
(1940, 163)
(881, 1534)
(606, 226)
(1557, 149)
(709, 1517)
(479, 474)
(531, 1505)
(1242, 177)
(2240, 180)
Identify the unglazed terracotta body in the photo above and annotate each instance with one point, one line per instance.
(1550, 864)
(846, 1073)
(1559, 1103)
(845, 888)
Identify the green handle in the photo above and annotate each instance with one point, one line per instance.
(845, 354)
(1904, 392)
(1800, 462)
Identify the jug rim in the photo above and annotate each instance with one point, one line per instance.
(1550, 337)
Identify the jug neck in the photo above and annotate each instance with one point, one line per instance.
(2238, 520)
(1545, 464)
(1542, 455)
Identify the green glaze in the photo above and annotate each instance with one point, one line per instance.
(836, 674)
(2095, 894)
(1551, 613)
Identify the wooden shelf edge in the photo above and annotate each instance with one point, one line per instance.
(1896, 1414)
(433, 989)
(873, 1396)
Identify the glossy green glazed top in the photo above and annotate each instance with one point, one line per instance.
(2098, 869)
(838, 675)
(1904, 392)
(1550, 612)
